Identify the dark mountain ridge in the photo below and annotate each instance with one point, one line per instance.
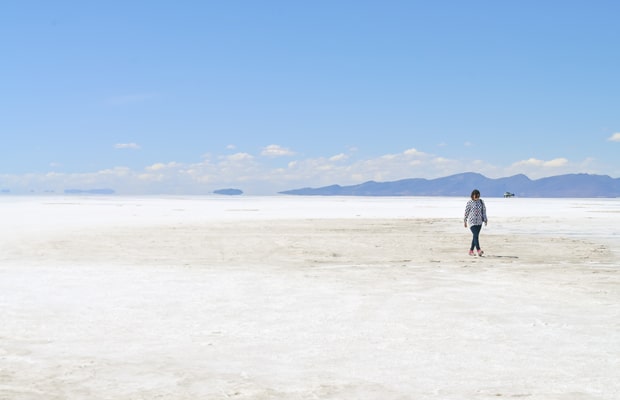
(569, 185)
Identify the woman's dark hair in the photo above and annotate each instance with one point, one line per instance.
(475, 193)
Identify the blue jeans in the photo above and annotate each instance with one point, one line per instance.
(475, 242)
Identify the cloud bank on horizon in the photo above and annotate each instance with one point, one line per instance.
(188, 98)
(255, 175)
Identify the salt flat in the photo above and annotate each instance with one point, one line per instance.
(306, 298)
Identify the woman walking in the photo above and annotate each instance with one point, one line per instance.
(475, 215)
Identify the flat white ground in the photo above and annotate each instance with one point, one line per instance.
(307, 298)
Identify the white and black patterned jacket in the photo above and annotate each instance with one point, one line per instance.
(475, 212)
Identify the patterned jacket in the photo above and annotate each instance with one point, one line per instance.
(475, 212)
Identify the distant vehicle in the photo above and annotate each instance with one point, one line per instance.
(508, 194)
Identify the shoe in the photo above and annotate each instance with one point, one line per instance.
(480, 253)
(471, 252)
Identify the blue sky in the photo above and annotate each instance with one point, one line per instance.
(186, 97)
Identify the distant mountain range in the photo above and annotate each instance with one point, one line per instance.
(571, 185)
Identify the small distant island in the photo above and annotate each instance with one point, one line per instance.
(229, 192)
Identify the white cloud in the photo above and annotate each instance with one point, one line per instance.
(116, 171)
(587, 162)
(161, 166)
(532, 161)
(240, 157)
(151, 177)
(274, 150)
(339, 157)
(556, 162)
(441, 160)
(133, 146)
(615, 137)
(156, 167)
(535, 168)
(413, 152)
